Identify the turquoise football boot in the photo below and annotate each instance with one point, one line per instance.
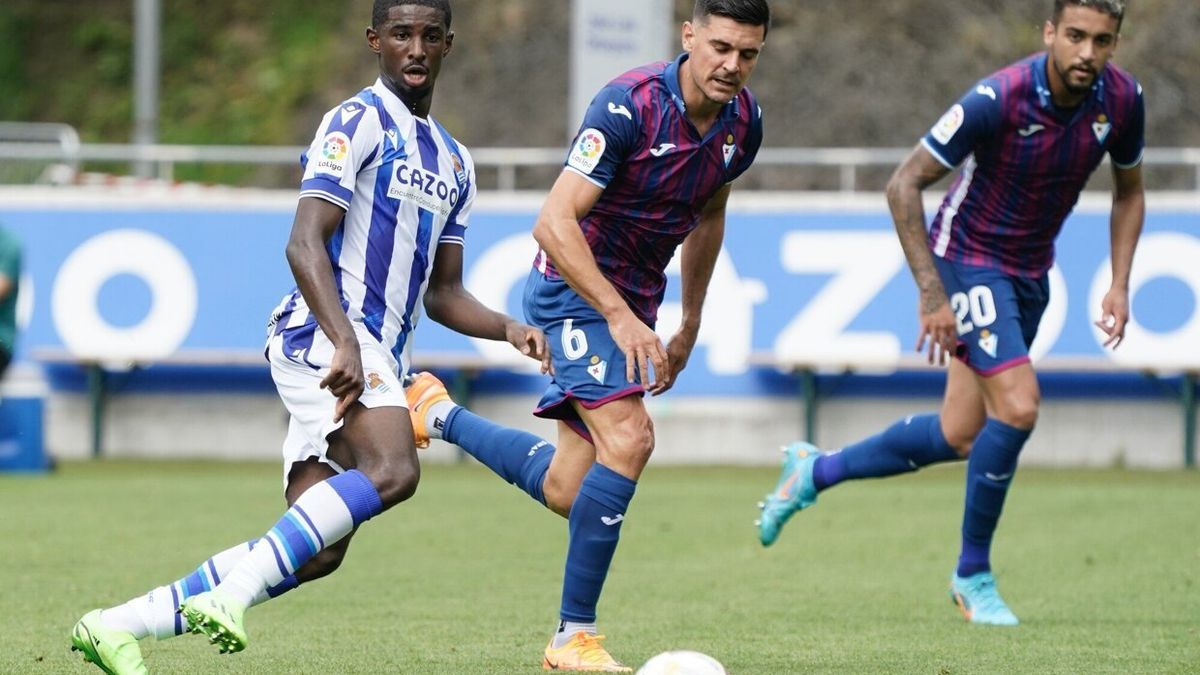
(116, 652)
(217, 616)
(978, 600)
(795, 491)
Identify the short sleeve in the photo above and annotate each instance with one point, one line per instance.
(347, 140)
(607, 136)
(753, 142)
(974, 117)
(1126, 151)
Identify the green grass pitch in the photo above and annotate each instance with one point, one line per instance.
(1101, 566)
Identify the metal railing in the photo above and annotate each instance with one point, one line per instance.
(66, 149)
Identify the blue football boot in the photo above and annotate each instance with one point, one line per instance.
(794, 491)
(978, 600)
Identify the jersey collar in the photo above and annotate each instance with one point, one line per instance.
(671, 77)
(1042, 84)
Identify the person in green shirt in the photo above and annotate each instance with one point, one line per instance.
(10, 279)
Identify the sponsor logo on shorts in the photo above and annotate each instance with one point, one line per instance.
(587, 151)
(949, 125)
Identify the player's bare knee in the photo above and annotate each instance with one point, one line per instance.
(395, 479)
(560, 496)
(961, 443)
(1019, 410)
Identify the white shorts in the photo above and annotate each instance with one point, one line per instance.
(298, 381)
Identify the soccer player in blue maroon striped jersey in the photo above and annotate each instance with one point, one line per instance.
(649, 170)
(1028, 137)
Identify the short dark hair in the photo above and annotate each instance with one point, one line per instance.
(1113, 8)
(379, 12)
(752, 12)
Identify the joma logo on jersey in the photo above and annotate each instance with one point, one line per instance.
(427, 190)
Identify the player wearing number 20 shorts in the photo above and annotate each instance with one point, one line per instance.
(1027, 139)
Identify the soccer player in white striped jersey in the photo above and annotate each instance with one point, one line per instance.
(379, 227)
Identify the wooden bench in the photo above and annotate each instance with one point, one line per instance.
(806, 371)
(463, 368)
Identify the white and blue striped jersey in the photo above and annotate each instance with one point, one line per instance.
(407, 186)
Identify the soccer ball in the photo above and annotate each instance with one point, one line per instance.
(682, 663)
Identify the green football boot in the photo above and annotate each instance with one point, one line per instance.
(116, 652)
(216, 616)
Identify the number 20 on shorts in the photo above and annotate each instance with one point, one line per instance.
(977, 302)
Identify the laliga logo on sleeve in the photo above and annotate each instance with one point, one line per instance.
(949, 125)
(1101, 127)
(333, 153)
(587, 151)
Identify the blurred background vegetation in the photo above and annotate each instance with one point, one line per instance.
(834, 72)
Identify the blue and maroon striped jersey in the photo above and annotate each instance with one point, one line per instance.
(657, 173)
(1026, 162)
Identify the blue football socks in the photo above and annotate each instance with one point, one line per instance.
(905, 446)
(990, 470)
(518, 457)
(595, 526)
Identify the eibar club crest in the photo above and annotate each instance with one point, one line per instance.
(728, 149)
(988, 341)
(597, 368)
(1101, 127)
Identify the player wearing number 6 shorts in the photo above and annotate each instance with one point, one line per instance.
(649, 172)
(1027, 137)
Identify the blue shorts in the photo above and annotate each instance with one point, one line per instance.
(588, 365)
(997, 313)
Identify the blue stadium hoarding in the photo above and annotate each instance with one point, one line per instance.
(822, 280)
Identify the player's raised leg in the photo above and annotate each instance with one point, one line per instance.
(908, 445)
(1012, 401)
(519, 457)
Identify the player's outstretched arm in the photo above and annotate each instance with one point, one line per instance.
(316, 220)
(558, 234)
(449, 303)
(1125, 227)
(697, 260)
(918, 171)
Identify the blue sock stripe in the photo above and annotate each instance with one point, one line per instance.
(193, 584)
(178, 617)
(213, 577)
(283, 569)
(312, 528)
(359, 494)
(289, 582)
(299, 544)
